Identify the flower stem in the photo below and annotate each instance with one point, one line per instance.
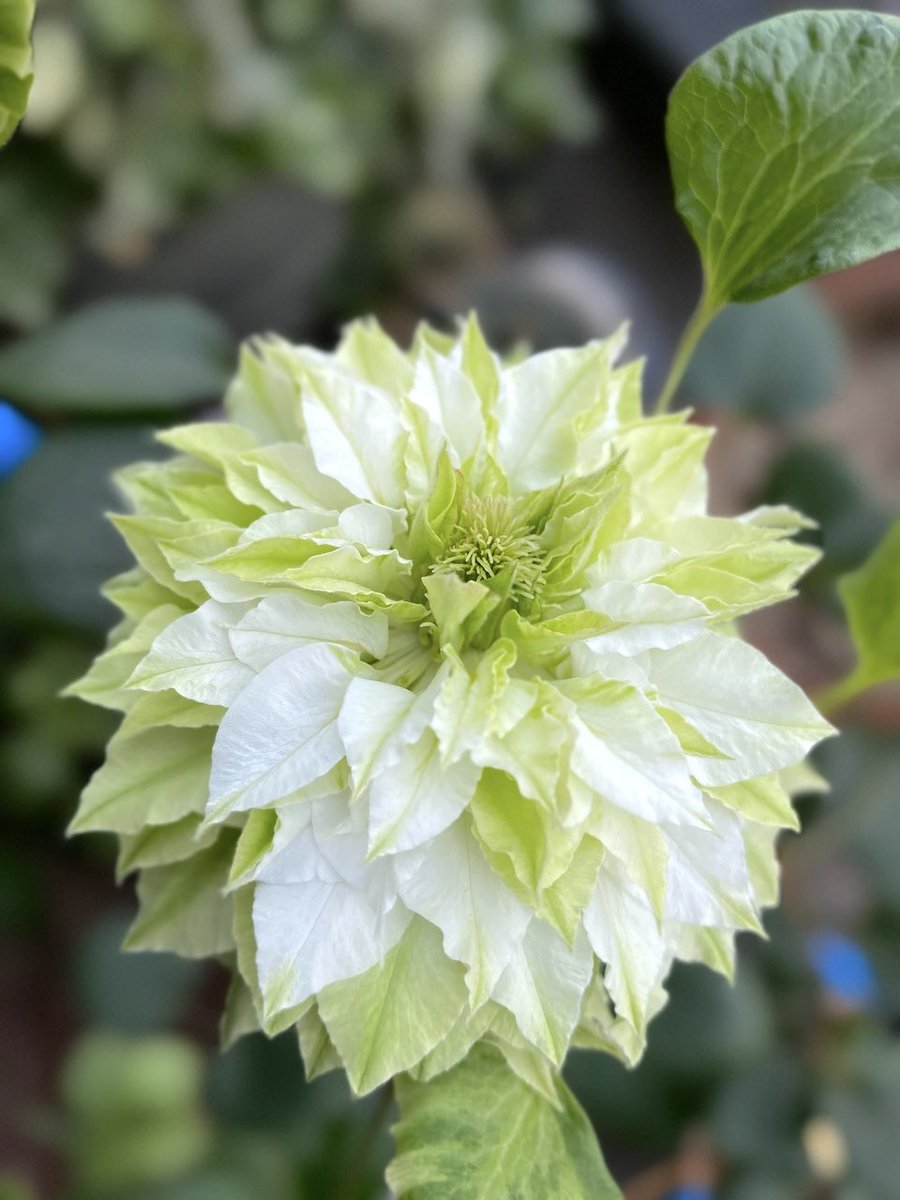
(693, 331)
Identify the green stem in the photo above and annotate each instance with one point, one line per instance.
(693, 331)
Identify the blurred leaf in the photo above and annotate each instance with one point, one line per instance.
(757, 1116)
(55, 547)
(817, 480)
(710, 1027)
(258, 1083)
(866, 1109)
(23, 902)
(639, 1107)
(479, 1132)
(775, 361)
(121, 356)
(35, 234)
(134, 1110)
(785, 154)
(871, 597)
(130, 993)
(16, 17)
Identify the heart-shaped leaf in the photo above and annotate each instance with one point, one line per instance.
(784, 143)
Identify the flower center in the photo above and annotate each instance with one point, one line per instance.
(491, 544)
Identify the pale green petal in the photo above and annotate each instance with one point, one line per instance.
(312, 934)
(105, 684)
(542, 987)
(379, 720)
(738, 701)
(161, 845)
(469, 703)
(386, 1020)
(181, 906)
(194, 657)
(664, 458)
(152, 777)
(762, 862)
(316, 1048)
(136, 594)
(526, 844)
(764, 800)
(563, 903)
(639, 846)
(168, 708)
(367, 351)
(265, 395)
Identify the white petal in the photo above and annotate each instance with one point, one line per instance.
(539, 401)
(194, 657)
(418, 798)
(445, 393)
(311, 934)
(355, 435)
(625, 934)
(651, 616)
(281, 732)
(285, 621)
(625, 751)
(543, 986)
(449, 883)
(708, 881)
(738, 701)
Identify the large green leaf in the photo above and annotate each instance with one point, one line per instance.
(784, 143)
(871, 596)
(121, 356)
(479, 1133)
(15, 63)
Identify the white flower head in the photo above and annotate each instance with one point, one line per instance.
(438, 727)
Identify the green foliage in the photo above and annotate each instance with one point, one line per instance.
(784, 151)
(871, 597)
(480, 1133)
(15, 63)
(121, 357)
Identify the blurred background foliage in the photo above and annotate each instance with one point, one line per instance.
(193, 170)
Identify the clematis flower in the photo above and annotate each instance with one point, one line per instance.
(437, 724)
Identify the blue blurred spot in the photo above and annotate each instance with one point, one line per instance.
(694, 1192)
(843, 968)
(19, 438)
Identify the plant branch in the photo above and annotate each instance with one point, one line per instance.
(693, 331)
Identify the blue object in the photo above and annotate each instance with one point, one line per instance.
(843, 968)
(19, 438)
(692, 1192)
